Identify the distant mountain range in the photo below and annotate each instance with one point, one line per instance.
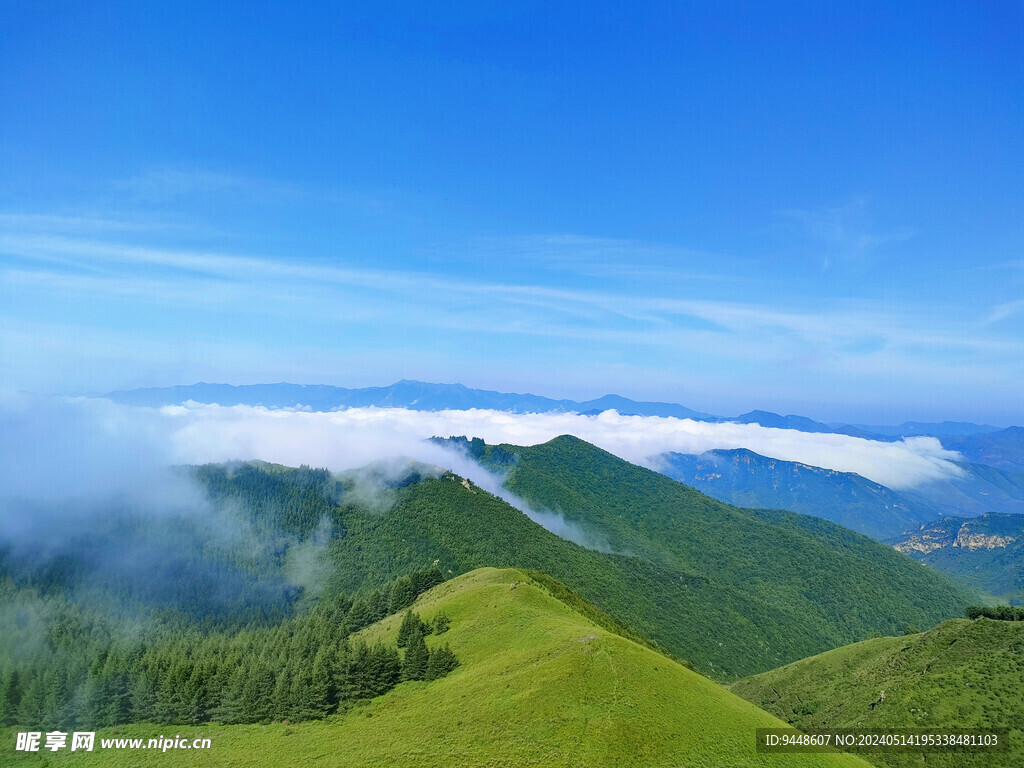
(993, 479)
(1003, 449)
(748, 479)
(415, 395)
(424, 396)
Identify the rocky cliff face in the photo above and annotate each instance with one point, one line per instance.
(973, 541)
(953, 532)
(986, 552)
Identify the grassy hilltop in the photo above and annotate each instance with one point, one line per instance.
(538, 684)
(963, 674)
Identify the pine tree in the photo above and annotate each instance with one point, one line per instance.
(353, 682)
(30, 708)
(441, 623)
(142, 697)
(10, 697)
(359, 616)
(258, 693)
(442, 661)
(93, 698)
(385, 669)
(378, 603)
(318, 693)
(414, 666)
(411, 624)
(193, 697)
(281, 702)
(425, 578)
(231, 708)
(402, 595)
(115, 707)
(56, 709)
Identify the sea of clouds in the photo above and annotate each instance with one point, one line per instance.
(87, 445)
(65, 462)
(350, 438)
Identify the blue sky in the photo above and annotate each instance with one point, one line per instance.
(804, 207)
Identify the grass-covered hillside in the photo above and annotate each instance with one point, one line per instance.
(985, 552)
(798, 584)
(964, 674)
(538, 684)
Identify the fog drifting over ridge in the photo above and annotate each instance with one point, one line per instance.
(84, 457)
(347, 438)
(87, 444)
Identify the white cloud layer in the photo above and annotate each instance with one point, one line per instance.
(67, 447)
(350, 438)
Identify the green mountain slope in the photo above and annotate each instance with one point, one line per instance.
(538, 684)
(836, 583)
(985, 552)
(721, 629)
(962, 673)
(733, 591)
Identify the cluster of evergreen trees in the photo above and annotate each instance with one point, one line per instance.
(290, 501)
(420, 663)
(998, 612)
(71, 667)
(476, 448)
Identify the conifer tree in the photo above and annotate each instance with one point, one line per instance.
(410, 625)
(115, 707)
(231, 708)
(385, 669)
(378, 603)
(30, 708)
(282, 705)
(353, 682)
(442, 661)
(425, 578)
(10, 697)
(402, 595)
(414, 665)
(142, 696)
(315, 701)
(56, 702)
(193, 697)
(359, 616)
(93, 698)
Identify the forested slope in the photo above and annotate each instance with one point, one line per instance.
(538, 684)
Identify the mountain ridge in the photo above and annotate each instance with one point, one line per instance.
(418, 395)
(748, 479)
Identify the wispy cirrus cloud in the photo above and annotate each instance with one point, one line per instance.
(78, 273)
(1005, 310)
(205, 276)
(844, 232)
